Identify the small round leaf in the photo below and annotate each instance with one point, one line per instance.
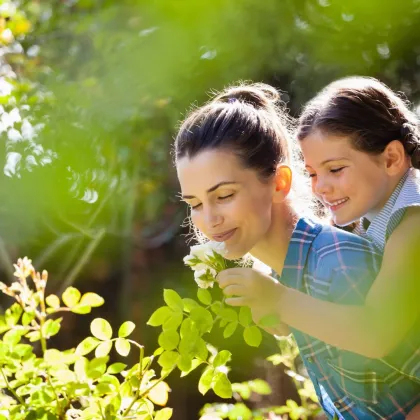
(126, 329)
(101, 329)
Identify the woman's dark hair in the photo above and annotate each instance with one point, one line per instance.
(367, 111)
(246, 119)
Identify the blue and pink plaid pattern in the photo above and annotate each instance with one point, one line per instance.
(334, 265)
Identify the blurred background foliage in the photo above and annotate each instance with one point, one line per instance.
(91, 92)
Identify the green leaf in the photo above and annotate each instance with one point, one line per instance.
(189, 304)
(71, 296)
(28, 317)
(173, 300)
(260, 387)
(97, 367)
(222, 358)
(87, 345)
(269, 321)
(173, 322)
(169, 340)
(168, 359)
(228, 314)
(126, 329)
(116, 368)
(13, 314)
(205, 380)
(200, 349)
(204, 296)
(164, 414)
(33, 336)
(91, 299)
(160, 316)
(65, 376)
(103, 349)
(101, 329)
(13, 337)
(195, 363)
(80, 368)
(81, 309)
(202, 318)
(185, 363)
(245, 316)
(252, 336)
(216, 307)
(53, 301)
(51, 327)
(222, 386)
(230, 329)
(122, 346)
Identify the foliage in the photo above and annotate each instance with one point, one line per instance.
(308, 406)
(67, 384)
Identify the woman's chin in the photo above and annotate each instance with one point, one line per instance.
(234, 254)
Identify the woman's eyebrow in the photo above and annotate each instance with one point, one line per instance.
(215, 187)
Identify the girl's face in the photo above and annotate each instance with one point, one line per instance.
(228, 202)
(350, 183)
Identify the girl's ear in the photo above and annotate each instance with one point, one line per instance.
(283, 183)
(395, 157)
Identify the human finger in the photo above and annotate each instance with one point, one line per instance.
(234, 290)
(237, 301)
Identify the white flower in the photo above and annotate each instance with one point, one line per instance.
(202, 251)
(204, 263)
(205, 277)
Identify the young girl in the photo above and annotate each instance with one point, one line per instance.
(232, 160)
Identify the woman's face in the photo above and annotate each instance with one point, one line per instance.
(228, 202)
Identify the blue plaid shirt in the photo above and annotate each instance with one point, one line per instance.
(334, 265)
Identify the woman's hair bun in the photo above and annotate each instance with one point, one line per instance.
(258, 95)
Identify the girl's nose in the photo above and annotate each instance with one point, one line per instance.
(322, 186)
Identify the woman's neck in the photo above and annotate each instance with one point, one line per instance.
(272, 249)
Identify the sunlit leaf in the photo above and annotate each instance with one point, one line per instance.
(173, 300)
(222, 386)
(71, 296)
(159, 393)
(252, 336)
(126, 329)
(122, 346)
(101, 329)
(103, 349)
(91, 299)
(53, 301)
(87, 345)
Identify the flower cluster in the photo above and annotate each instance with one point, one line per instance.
(206, 260)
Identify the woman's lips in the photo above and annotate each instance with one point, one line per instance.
(224, 236)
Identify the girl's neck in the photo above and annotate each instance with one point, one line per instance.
(272, 249)
(390, 190)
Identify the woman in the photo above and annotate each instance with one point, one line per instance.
(233, 161)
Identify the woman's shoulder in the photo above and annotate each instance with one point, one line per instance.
(337, 248)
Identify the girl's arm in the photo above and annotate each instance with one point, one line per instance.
(390, 309)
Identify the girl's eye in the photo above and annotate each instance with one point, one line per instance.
(225, 197)
(312, 175)
(196, 206)
(334, 171)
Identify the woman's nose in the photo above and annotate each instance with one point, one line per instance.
(213, 218)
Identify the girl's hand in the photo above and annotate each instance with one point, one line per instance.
(260, 292)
